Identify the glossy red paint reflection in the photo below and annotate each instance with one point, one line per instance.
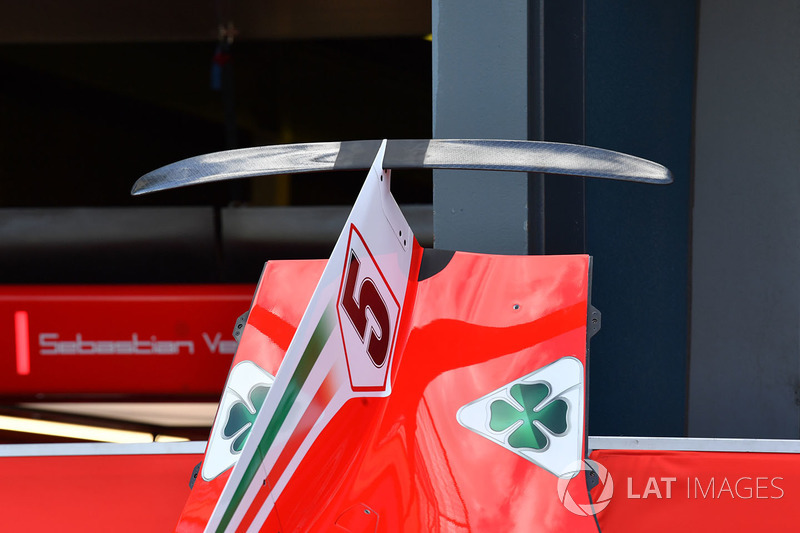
(482, 322)
(404, 461)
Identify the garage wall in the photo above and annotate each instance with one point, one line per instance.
(745, 341)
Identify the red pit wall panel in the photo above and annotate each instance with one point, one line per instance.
(669, 491)
(120, 493)
(118, 341)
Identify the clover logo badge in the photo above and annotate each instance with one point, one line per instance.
(241, 417)
(527, 418)
(241, 401)
(538, 416)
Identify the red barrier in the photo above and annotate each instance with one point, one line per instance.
(668, 491)
(95, 493)
(118, 341)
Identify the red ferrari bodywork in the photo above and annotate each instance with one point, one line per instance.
(471, 324)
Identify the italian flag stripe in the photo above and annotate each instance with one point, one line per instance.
(319, 338)
(321, 400)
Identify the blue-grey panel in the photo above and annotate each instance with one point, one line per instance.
(745, 376)
(640, 59)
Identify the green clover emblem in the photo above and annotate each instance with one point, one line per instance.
(242, 417)
(552, 416)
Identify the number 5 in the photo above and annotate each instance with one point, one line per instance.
(368, 297)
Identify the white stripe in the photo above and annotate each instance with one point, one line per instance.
(336, 403)
(331, 352)
(694, 444)
(255, 526)
(264, 416)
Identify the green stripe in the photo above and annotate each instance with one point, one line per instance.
(318, 339)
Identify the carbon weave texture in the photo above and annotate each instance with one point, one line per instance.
(466, 154)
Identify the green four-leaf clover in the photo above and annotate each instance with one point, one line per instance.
(553, 416)
(241, 416)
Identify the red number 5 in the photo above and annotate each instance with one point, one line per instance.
(356, 310)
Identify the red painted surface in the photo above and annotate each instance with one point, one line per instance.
(406, 456)
(118, 341)
(279, 303)
(668, 491)
(88, 494)
(482, 322)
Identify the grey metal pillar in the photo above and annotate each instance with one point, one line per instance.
(513, 70)
(480, 90)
